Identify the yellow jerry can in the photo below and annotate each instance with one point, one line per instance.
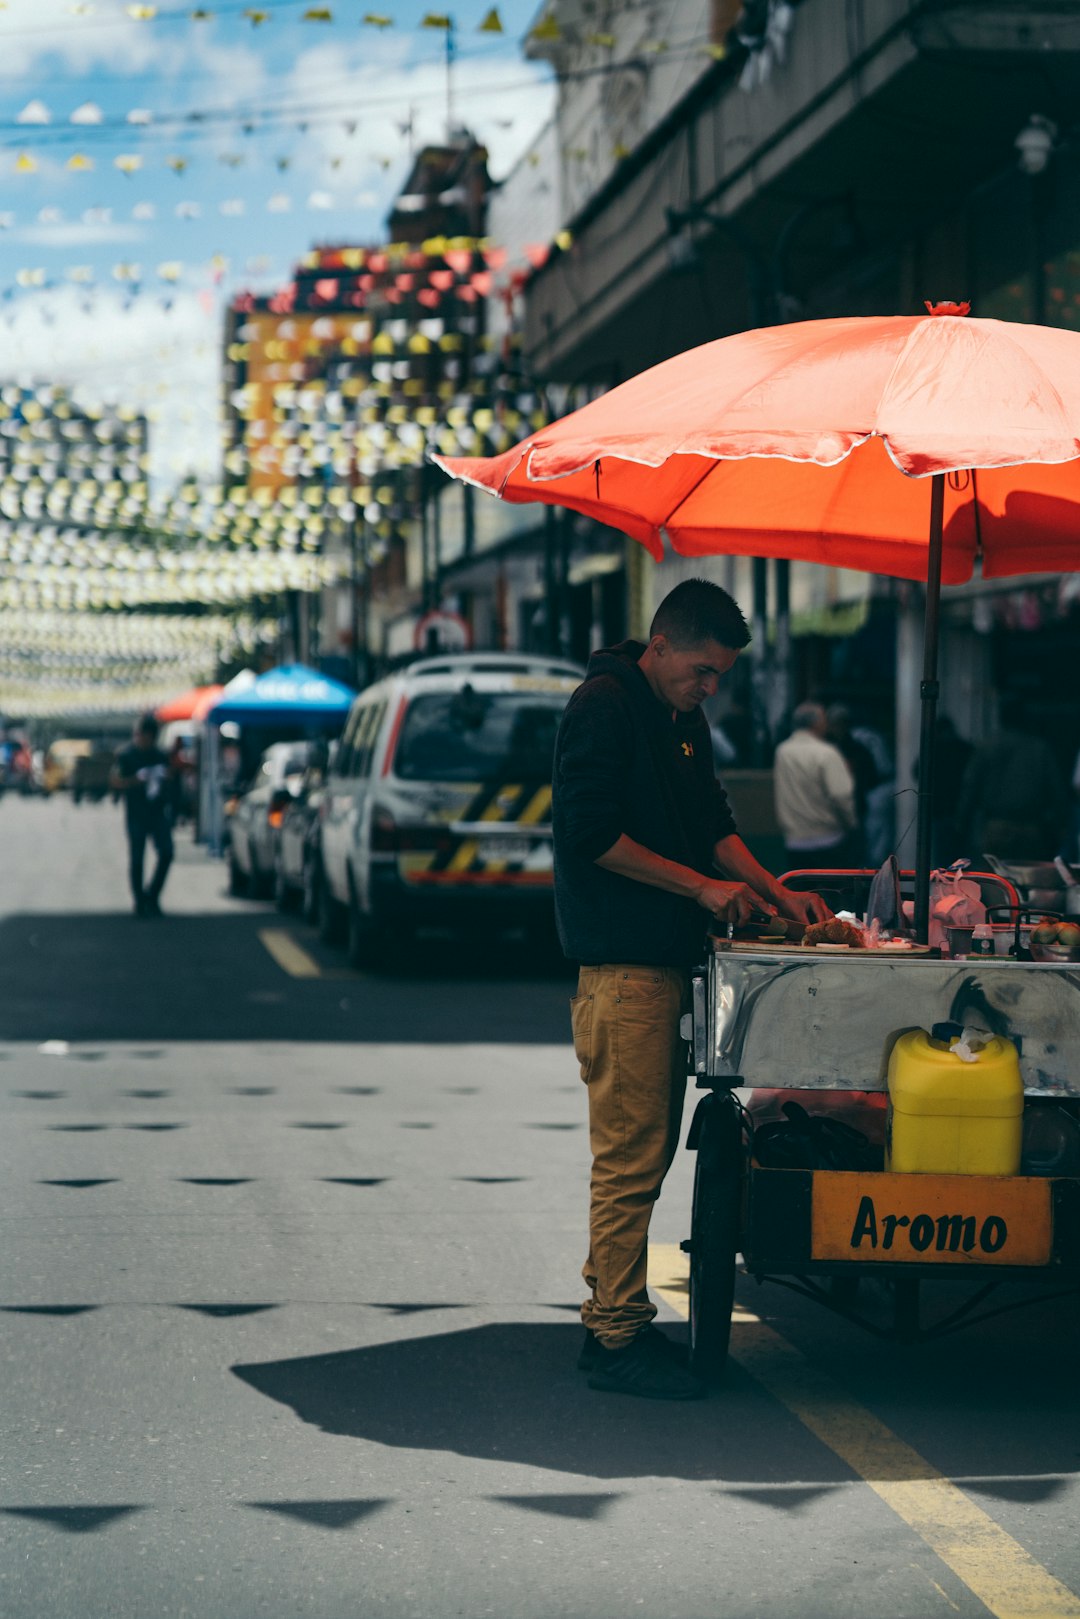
(950, 1113)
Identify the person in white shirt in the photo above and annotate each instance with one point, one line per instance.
(815, 793)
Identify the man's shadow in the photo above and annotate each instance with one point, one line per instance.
(509, 1392)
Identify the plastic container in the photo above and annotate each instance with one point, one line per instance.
(982, 939)
(948, 1116)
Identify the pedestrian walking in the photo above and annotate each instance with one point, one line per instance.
(1013, 801)
(142, 774)
(646, 855)
(815, 794)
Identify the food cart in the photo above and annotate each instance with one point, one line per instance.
(790, 1018)
(927, 448)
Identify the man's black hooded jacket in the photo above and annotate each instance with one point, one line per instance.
(625, 764)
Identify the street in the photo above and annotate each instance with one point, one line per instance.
(288, 1290)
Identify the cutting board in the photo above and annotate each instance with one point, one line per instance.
(758, 947)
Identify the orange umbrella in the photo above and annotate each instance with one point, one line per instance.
(816, 441)
(187, 706)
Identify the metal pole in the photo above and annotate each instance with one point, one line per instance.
(565, 638)
(781, 684)
(436, 552)
(364, 664)
(760, 667)
(551, 596)
(425, 588)
(354, 589)
(929, 696)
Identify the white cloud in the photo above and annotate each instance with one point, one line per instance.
(504, 102)
(73, 233)
(30, 33)
(44, 38)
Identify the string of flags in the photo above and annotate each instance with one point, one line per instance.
(52, 661)
(463, 268)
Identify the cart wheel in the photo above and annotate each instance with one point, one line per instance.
(714, 1236)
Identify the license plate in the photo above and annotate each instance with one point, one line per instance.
(508, 851)
(931, 1219)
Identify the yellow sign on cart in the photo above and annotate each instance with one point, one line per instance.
(933, 1219)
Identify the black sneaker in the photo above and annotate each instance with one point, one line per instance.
(645, 1371)
(660, 1341)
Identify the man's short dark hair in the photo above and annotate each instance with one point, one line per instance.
(148, 726)
(697, 611)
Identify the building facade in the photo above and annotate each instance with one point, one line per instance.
(725, 166)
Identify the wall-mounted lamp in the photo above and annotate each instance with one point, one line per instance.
(1035, 143)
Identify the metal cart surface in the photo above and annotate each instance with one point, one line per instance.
(801, 1021)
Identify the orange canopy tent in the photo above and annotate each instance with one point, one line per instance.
(923, 447)
(188, 704)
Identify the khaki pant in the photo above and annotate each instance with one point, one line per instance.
(626, 1038)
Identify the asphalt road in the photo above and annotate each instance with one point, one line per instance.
(288, 1287)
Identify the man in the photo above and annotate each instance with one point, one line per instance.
(643, 833)
(142, 774)
(815, 793)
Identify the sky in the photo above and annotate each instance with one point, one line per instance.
(245, 137)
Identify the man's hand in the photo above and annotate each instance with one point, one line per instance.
(800, 907)
(728, 902)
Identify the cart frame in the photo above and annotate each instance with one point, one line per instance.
(770, 1019)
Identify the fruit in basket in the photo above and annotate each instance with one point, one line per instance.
(1055, 941)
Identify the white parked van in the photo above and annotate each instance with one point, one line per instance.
(438, 806)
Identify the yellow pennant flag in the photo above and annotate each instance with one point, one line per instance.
(492, 23)
(547, 31)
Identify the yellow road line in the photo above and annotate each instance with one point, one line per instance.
(994, 1566)
(288, 954)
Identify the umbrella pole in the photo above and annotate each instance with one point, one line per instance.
(929, 696)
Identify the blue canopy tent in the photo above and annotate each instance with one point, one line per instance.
(291, 699)
(293, 695)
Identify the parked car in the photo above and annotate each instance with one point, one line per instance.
(257, 815)
(60, 757)
(90, 775)
(438, 806)
(297, 855)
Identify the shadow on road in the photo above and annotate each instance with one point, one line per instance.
(98, 977)
(509, 1393)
